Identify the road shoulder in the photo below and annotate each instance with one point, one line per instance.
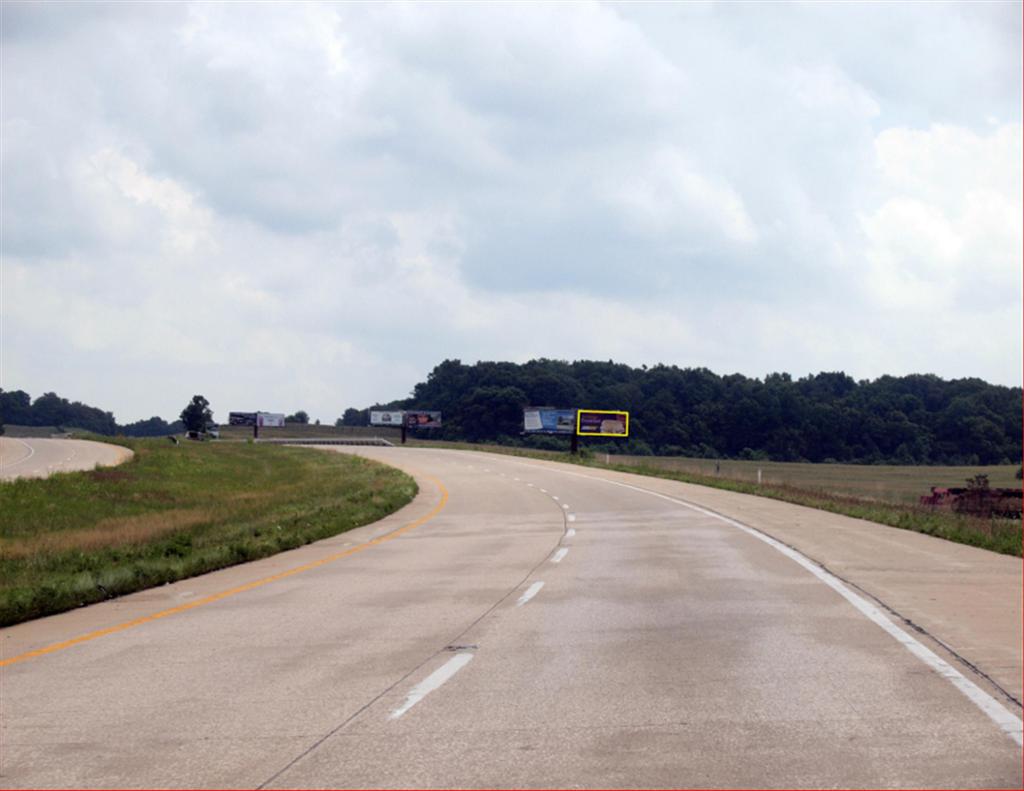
(964, 601)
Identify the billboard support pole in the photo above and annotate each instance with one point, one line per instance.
(574, 446)
(403, 432)
(256, 427)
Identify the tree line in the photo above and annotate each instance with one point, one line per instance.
(17, 408)
(825, 417)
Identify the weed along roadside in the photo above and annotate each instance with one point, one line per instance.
(175, 511)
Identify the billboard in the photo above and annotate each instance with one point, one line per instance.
(548, 420)
(241, 418)
(386, 418)
(422, 419)
(270, 419)
(602, 423)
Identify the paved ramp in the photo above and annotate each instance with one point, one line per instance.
(38, 458)
(520, 624)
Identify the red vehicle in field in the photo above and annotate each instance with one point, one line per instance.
(976, 499)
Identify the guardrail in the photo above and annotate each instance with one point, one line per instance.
(378, 441)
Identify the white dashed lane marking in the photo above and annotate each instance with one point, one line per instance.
(532, 591)
(432, 682)
(557, 557)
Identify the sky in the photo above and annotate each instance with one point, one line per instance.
(286, 206)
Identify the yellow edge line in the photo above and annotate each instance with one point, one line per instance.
(233, 591)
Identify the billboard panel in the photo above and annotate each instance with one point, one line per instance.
(386, 418)
(241, 418)
(548, 420)
(270, 419)
(423, 419)
(602, 423)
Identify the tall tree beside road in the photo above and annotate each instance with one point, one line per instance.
(197, 415)
(299, 417)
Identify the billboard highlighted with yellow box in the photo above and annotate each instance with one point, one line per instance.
(602, 423)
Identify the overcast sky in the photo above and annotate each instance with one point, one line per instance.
(284, 206)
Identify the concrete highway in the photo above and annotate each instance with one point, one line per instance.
(528, 624)
(36, 458)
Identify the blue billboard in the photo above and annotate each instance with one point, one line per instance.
(548, 420)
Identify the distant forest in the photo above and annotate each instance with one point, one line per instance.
(827, 417)
(49, 409)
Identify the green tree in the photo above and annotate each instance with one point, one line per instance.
(353, 417)
(197, 414)
(15, 407)
(916, 419)
(299, 417)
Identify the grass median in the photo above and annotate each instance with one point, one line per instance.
(175, 511)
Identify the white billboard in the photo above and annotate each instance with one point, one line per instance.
(270, 419)
(386, 418)
(547, 420)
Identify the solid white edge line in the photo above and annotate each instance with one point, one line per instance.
(1008, 722)
(31, 453)
(532, 591)
(557, 557)
(432, 682)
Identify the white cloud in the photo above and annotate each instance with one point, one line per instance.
(948, 233)
(667, 195)
(309, 206)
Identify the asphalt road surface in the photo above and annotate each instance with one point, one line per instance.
(37, 458)
(526, 624)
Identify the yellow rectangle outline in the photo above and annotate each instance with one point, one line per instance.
(600, 412)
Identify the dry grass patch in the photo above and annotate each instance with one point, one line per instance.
(113, 532)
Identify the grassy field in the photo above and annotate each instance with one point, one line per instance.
(884, 494)
(886, 483)
(175, 511)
